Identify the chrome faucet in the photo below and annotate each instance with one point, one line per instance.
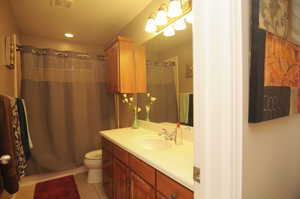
(169, 136)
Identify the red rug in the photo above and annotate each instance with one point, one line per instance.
(60, 188)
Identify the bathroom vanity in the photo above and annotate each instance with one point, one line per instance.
(137, 163)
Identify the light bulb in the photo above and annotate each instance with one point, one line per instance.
(69, 35)
(180, 25)
(150, 26)
(189, 17)
(169, 31)
(161, 17)
(174, 8)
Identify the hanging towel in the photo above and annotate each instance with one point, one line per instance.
(183, 108)
(28, 132)
(9, 177)
(15, 123)
(24, 128)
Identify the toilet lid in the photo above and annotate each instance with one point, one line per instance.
(94, 155)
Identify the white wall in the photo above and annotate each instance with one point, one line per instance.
(271, 154)
(7, 26)
(272, 159)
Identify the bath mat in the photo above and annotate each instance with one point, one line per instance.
(60, 188)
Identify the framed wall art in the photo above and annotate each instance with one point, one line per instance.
(275, 62)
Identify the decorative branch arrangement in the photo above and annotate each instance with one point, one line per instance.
(132, 104)
(148, 106)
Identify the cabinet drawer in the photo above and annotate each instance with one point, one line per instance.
(171, 189)
(142, 169)
(107, 145)
(121, 154)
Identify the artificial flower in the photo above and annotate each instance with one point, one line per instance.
(147, 108)
(153, 99)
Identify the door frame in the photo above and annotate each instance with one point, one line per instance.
(221, 60)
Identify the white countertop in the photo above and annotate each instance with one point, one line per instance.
(176, 162)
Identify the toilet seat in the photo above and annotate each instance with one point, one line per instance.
(94, 155)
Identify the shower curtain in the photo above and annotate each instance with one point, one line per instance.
(67, 105)
(161, 84)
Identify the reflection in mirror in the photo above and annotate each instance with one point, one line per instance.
(169, 79)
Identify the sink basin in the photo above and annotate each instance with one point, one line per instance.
(153, 143)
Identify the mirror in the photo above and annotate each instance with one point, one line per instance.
(169, 79)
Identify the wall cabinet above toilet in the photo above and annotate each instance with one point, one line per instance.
(126, 67)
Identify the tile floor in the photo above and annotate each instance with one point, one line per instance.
(86, 191)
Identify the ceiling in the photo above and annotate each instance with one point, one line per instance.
(91, 21)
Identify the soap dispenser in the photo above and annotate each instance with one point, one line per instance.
(179, 136)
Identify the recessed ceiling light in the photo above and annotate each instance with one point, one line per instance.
(69, 35)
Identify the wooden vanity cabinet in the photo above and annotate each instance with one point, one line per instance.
(134, 179)
(171, 189)
(139, 188)
(107, 169)
(126, 67)
(159, 196)
(121, 180)
(128, 185)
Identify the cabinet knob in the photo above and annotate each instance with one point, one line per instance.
(173, 196)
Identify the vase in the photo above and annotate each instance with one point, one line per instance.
(135, 124)
(148, 115)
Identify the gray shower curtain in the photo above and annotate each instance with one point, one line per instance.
(67, 105)
(161, 84)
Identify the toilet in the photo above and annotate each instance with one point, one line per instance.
(93, 162)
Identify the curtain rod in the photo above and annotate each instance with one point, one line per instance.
(161, 63)
(49, 51)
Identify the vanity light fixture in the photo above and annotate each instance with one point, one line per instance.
(151, 25)
(69, 35)
(180, 25)
(189, 17)
(169, 31)
(161, 17)
(170, 17)
(174, 9)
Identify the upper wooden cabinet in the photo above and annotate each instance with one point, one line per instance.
(126, 67)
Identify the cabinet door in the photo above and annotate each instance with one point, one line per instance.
(139, 189)
(171, 189)
(107, 173)
(159, 196)
(126, 68)
(140, 69)
(121, 180)
(113, 68)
